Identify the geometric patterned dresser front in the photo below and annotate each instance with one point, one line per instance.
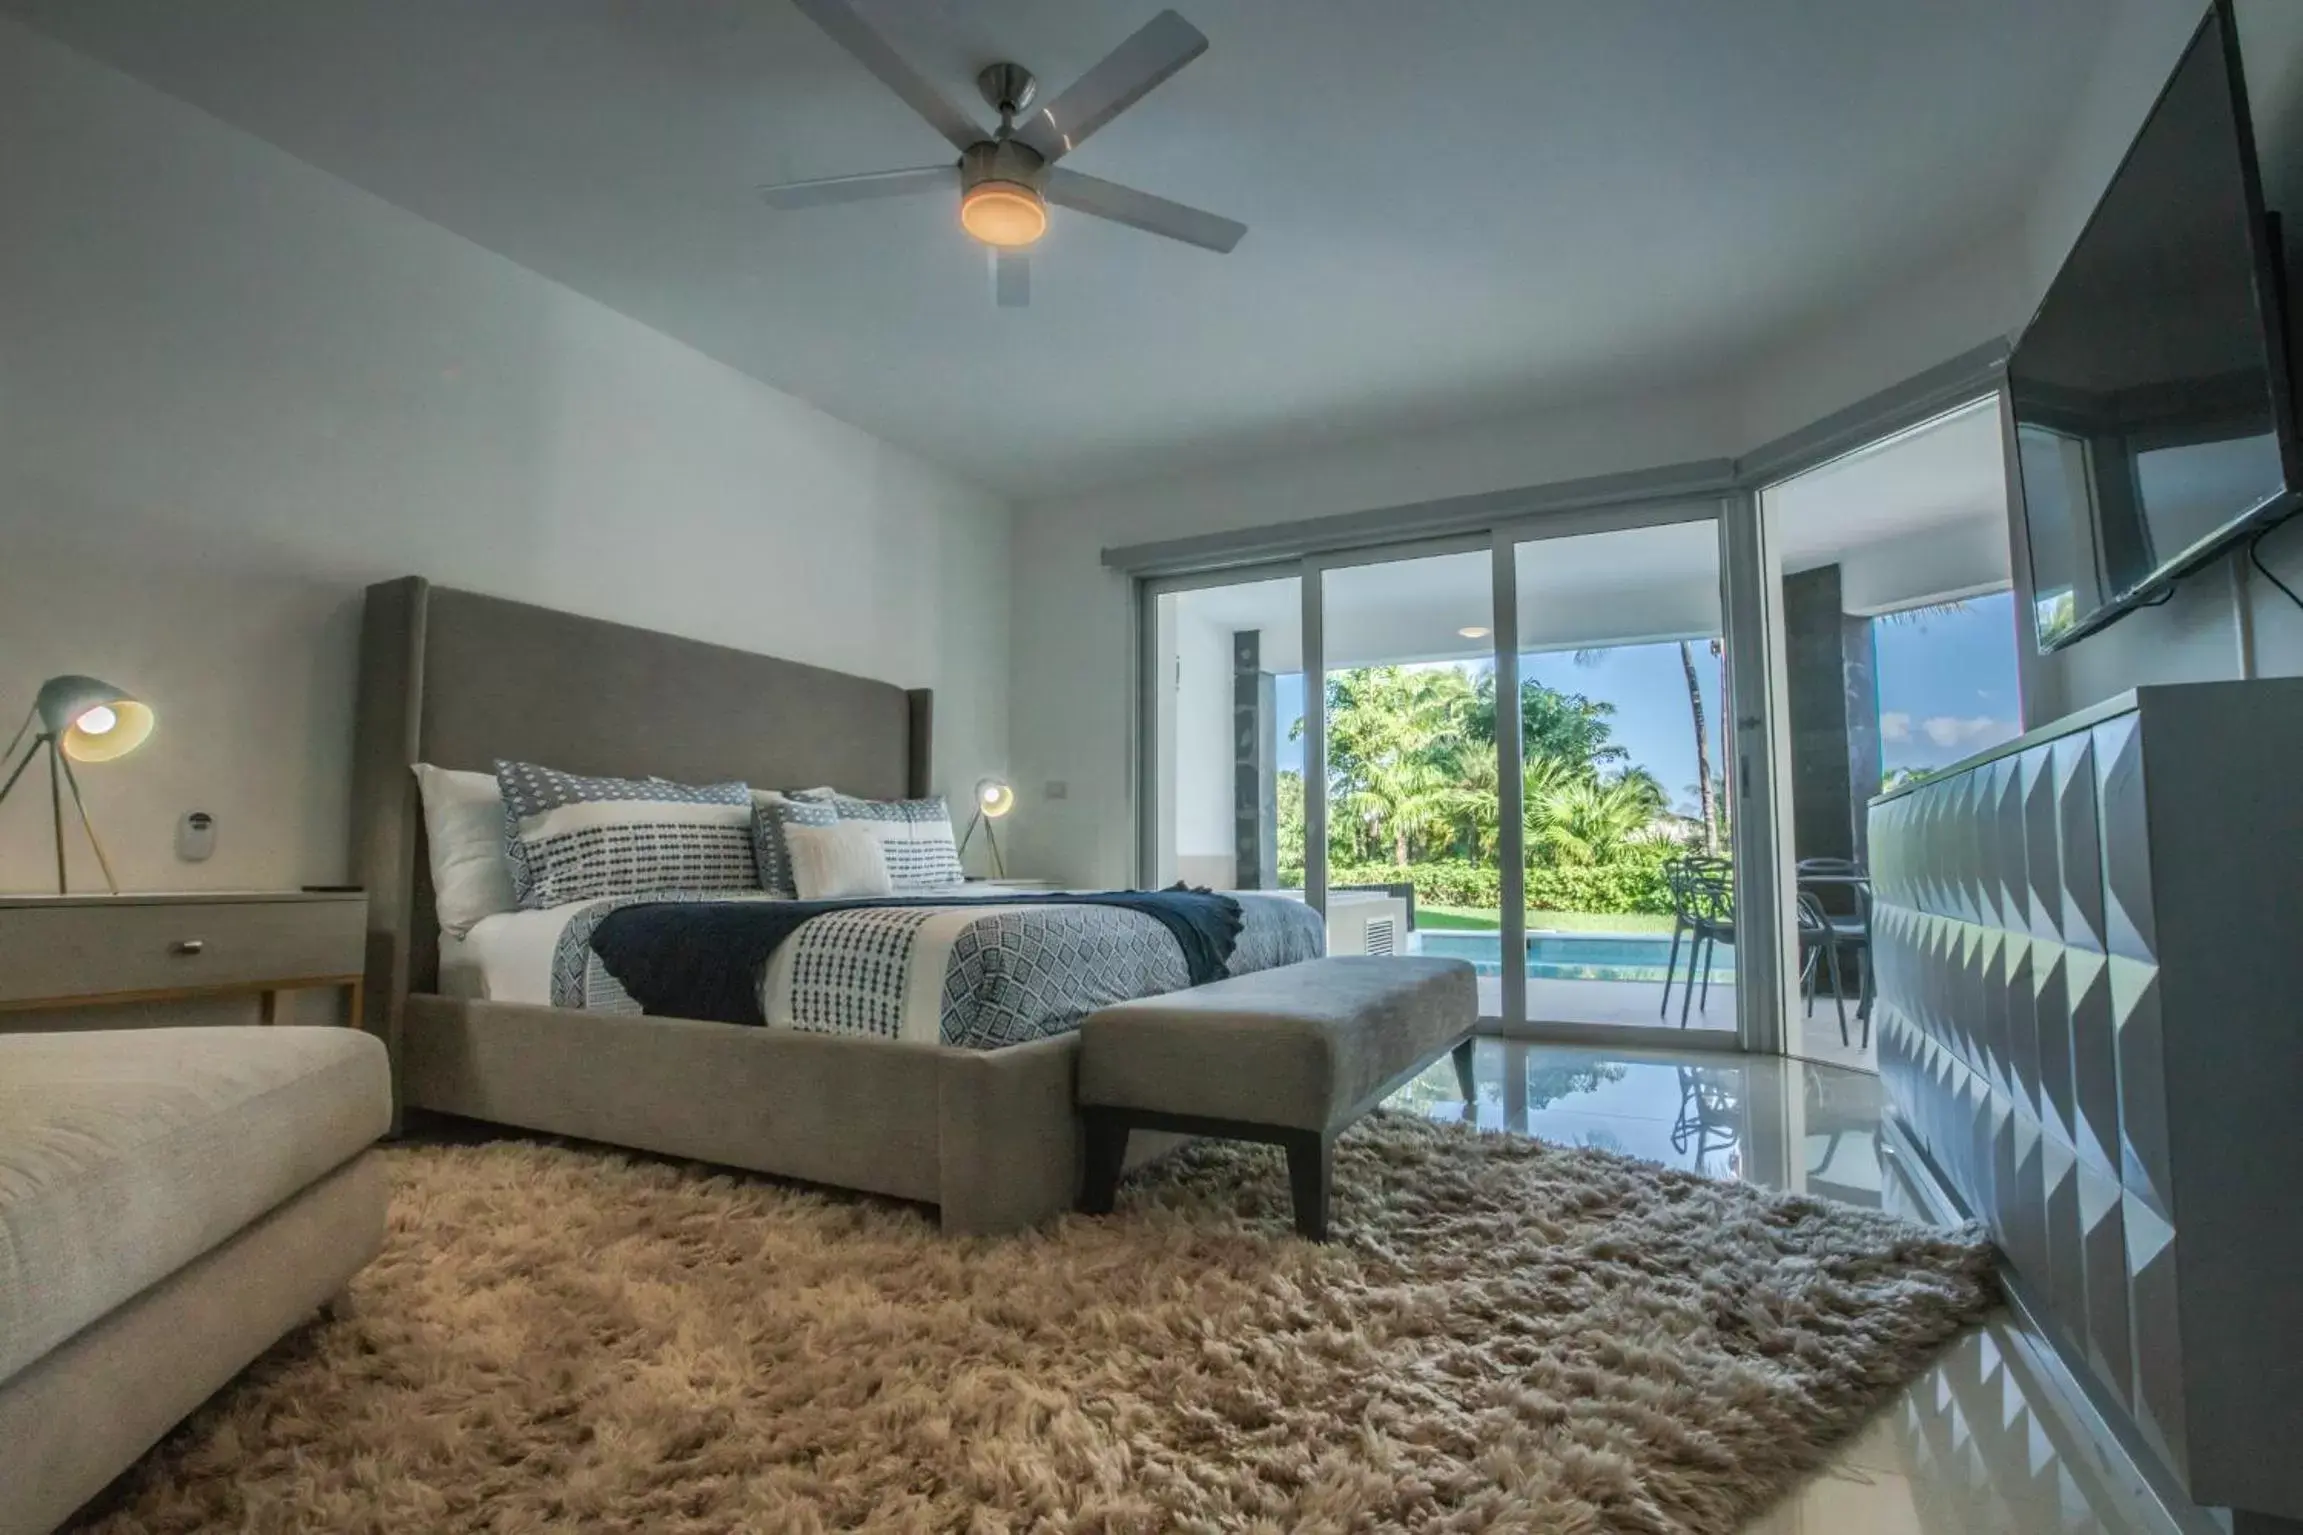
(2023, 915)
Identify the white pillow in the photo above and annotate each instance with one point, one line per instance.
(831, 863)
(464, 826)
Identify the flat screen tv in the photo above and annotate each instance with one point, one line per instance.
(2151, 392)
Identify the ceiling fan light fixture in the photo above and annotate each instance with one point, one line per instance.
(1005, 214)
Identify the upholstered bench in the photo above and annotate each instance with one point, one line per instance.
(1288, 1056)
(171, 1202)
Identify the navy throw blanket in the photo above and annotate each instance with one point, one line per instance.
(702, 959)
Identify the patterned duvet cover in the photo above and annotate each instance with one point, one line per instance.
(977, 977)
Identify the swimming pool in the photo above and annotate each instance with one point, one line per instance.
(1577, 956)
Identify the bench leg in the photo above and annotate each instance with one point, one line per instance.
(1107, 1153)
(1310, 1175)
(1464, 1077)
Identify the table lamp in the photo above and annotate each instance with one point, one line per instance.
(994, 799)
(80, 720)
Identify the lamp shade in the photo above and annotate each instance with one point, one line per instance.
(995, 798)
(93, 721)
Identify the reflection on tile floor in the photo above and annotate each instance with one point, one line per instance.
(1984, 1443)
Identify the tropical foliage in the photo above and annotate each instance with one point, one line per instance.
(1413, 794)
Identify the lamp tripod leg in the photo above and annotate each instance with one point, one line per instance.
(16, 741)
(56, 808)
(999, 868)
(22, 763)
(87, 825)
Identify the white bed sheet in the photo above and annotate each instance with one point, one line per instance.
(507, 957)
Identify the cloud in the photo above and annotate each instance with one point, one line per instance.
(1950, 730)
(1895, 725)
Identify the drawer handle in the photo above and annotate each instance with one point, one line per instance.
(188, 946)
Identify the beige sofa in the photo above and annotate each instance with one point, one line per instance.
(172, 1201)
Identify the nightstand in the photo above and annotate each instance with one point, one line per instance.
(93, 950)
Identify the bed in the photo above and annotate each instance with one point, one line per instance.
(944, 1083)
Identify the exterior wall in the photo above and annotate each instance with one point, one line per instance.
(1255, 774)
(1822, 798)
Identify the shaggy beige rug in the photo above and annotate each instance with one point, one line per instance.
(1506, 1336)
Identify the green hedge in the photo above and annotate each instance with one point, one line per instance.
(1632, 885)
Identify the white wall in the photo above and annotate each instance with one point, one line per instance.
(234, 390)
(1949, 303)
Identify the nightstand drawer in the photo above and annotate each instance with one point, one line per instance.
(92, 949)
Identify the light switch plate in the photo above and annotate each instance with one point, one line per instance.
(195, 836)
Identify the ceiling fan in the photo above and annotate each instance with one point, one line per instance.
(1007, 178)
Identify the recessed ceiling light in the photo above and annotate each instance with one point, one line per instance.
(1474, 632)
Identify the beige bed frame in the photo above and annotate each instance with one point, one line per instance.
(990, 1137)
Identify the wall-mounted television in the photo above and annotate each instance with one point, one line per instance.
(2151, 393)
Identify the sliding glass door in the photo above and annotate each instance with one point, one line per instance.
(1225, 779)
(1408, 739)
(1626, 797)
(1520, 747)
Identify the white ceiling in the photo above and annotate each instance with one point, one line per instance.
(1457, 210)
(1947, 470)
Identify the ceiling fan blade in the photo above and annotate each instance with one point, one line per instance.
(1141, 210)
(1163, 45)
(1011, 279)
(825, 190)
(855, 34)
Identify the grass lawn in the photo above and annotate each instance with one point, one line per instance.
(1471, 919)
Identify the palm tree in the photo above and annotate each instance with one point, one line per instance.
(1394, 739)
(1586, 822)
(1702, 746)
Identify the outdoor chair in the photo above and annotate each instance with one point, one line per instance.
(1819, 948)
(1848, 932)
(1703, 907)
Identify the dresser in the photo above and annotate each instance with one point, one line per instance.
(2089, 949)
(75, 951)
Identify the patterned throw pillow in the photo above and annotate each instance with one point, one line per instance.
(571, 838)
(916, 835)
(771, 813)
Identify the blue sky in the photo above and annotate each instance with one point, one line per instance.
(1947, 683)
(1947, 688)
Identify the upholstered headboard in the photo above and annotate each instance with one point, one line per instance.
(460, 680)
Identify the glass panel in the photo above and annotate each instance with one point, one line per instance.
(1900, 655)
(1626, 792)
(1228, 795)
(1411, 760)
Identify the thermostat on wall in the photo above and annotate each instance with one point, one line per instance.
(195, 836)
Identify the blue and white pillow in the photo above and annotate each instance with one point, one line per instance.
(771, 813)
(915, 836)
(571, 838)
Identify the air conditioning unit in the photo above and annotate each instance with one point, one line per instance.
(1366, 922)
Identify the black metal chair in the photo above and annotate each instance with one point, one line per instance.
(1818, 949)
(1675, 884)
(1848, 932)
(1704, 905)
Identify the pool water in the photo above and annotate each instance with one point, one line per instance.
(1577, 956)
